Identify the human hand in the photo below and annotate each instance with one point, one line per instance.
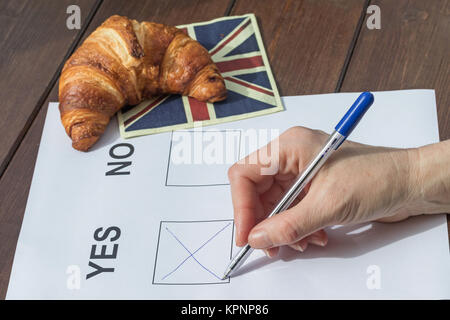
(358, 183)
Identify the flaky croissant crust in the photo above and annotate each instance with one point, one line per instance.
(124, 62)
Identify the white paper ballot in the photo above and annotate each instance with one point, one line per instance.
(151, 217)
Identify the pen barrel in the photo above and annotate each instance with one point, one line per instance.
(240, 257)
(355, 114)
(330, 146)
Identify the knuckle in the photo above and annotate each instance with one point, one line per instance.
(303, 134)
(233, 171)
(316, 219)
(295, 131)
(288, 232)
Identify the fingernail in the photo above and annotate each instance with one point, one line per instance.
(303, 246)
(271, 252)
(317, 241)
(260, 239)
(267, 252)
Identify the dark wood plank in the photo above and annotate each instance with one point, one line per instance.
(34, 40)
(410, 51)
(171, 12)
(15, 183)
(14, 187)
(306, 40)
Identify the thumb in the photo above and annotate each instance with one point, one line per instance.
(288, 226)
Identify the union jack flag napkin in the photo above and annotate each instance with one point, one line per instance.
(236, 47)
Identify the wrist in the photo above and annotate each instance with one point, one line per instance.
(429, 178)
(416, 200)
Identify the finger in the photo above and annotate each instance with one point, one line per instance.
(246, 184)
(248, 181)
(271, 197)
(289, 226)
(272, 252)
(318, 238)
(300, 245)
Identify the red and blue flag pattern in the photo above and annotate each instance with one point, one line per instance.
(235, 46)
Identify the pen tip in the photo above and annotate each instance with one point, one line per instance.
(226, 274)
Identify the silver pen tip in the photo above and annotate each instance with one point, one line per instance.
(226, 274)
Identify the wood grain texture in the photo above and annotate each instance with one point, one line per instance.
(14, 188)
(171, 12)
(16, 180)
(306, 40)
(307, 43)
(34, 40)
(410, 51)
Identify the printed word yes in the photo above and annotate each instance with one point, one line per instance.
(107, 251)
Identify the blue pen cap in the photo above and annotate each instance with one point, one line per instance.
(354, 114)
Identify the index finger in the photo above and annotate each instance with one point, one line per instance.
(247, 184)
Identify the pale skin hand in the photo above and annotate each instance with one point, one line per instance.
(359, 183)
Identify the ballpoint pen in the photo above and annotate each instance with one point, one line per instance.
(342, 130)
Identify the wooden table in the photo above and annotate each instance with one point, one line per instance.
(314, 46)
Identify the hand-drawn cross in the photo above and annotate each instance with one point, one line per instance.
(191, 254)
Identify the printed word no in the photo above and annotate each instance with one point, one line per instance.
(120, 151)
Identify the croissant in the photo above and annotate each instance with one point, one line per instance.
(124, 62)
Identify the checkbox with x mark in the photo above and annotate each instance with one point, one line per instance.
(193, 252)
